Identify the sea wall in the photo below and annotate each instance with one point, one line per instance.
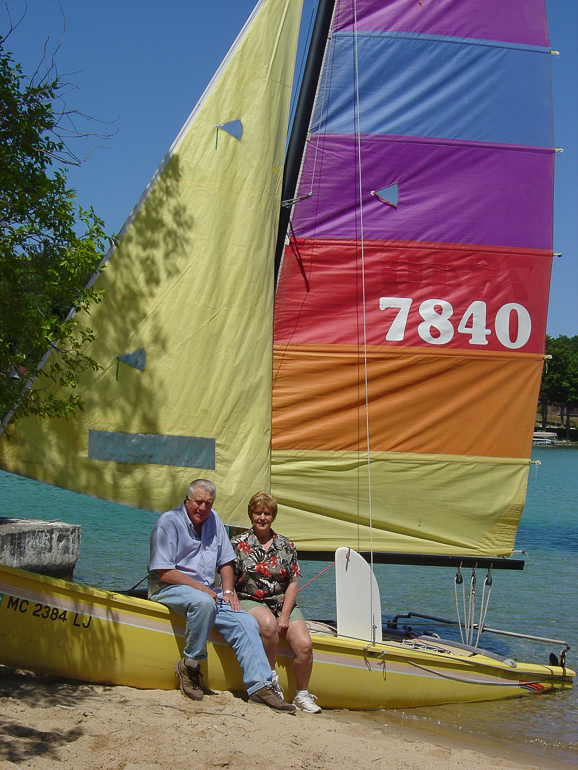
(47, 547)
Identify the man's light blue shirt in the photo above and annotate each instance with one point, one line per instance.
(176, 545)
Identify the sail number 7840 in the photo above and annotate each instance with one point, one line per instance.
(437, 324)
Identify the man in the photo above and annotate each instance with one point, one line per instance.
(189, 545)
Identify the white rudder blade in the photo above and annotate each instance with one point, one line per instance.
(357, 597)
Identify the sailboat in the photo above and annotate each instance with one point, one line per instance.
(359, 327)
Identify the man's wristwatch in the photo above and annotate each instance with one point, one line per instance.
(228, 592)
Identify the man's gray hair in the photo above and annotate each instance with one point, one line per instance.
(205, 484)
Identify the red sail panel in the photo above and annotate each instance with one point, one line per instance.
(434, 295)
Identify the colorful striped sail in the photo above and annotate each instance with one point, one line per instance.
(411, 307)
(184, 333)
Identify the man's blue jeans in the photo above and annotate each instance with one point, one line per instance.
(239, 629)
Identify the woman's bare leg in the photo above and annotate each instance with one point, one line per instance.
(268, 632)
(300, 642)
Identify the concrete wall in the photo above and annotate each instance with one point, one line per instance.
(47, 547)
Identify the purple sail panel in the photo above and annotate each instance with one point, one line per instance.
(515, 21)
(459, 192)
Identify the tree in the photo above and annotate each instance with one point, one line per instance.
(560, 378)
(49, 248)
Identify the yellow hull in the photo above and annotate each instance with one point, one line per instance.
(57, 627)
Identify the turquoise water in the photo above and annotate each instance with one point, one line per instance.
(541, 601)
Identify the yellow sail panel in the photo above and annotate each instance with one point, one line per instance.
(427, 504)
(188, 305)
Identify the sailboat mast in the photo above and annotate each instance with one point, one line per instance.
(302, 119)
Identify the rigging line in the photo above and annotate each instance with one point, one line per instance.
(299, 78)
(472, 619)
(295, 249)
(138, 584)
(465, 612)
(364, 314)
(324, 91)
(458, 580)
(293, 107)
(484, 608)
(466, 608)
(281, 289)
(471, 608)
(458, 613)
(296, 147)
(517, 683)
(469, 617)
(316, 576)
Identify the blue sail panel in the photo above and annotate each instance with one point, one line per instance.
(439, 87)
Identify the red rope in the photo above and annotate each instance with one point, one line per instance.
(316, 576)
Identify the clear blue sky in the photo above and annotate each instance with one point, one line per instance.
(140, 66)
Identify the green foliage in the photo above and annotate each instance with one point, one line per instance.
(44, 263)
(560, 378)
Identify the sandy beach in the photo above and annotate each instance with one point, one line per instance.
(47, 722)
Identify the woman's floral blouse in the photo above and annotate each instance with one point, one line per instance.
(263, 576)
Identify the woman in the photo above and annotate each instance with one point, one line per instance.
(266, 582)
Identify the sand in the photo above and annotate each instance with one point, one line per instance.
(47, 722)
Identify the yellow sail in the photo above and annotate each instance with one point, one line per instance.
(184, 333)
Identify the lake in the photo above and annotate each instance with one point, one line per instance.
(542, 600)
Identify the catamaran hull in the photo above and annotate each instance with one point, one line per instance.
(57, 627)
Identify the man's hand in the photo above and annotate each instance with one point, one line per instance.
(233, 600)
(176, 577)
(228, 583)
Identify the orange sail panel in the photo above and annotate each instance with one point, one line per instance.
(447, 402)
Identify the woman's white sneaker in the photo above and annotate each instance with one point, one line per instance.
(306, 702)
